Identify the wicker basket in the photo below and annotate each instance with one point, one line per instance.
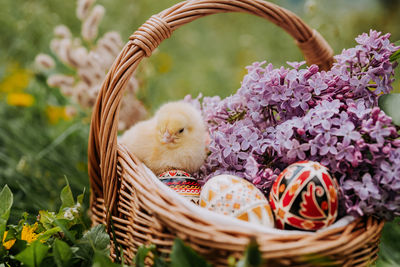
(141, 210)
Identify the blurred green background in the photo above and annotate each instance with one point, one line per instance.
(39, 149)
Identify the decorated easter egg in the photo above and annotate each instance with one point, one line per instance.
(304, 197)
(236, 197)
(182, 183)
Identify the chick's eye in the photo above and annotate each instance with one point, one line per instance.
(181, 130)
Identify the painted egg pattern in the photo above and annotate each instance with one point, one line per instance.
(182, 183)
(304, 197)
(236, 197)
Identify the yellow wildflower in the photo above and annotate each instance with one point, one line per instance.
(56, 113)
(28, 233)
(16, 80)
(20, 99)
(9, 243)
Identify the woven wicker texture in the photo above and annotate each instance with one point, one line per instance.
(121, 190)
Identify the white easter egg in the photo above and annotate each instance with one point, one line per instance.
(234, 196)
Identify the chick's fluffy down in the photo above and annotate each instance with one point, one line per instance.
(173, 139)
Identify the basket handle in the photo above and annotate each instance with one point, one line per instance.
(102, 150)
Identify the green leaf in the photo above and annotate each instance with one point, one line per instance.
(63, 226)
(47, 219)
(159, 262)
(67, 198)
(62, 253)
(390, 104)
(79, 199)
(183, 255)
(33, 255)
(6, 200)
(49, 233)
(101, 260)
(97, 237)
(396, 55)
(141, 254)
(18, 246)
(389, 247)
(96, 240)
(252, 256)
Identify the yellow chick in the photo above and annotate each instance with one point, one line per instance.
(175, 138)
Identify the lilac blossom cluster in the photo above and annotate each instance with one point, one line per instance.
(282, 115)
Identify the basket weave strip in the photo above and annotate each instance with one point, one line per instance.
(141, 214)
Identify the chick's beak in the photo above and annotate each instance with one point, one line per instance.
(167, 138)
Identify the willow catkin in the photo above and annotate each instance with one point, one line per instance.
(80, 56)
(66, 90)
(80, 94)
(91, 23)
(111, 42)
(86, 76)
(59, 80)
(62, 31)
(114, 38)
(62, 51)
(55, 46)
(91, 64)
(132, 86)
(103, 57)
(44, 61)
(132, 111)
(83, 8)
(71, 58)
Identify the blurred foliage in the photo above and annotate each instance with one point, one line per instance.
(40, 146)
(208, 55)
(389, 254)
(35, 154)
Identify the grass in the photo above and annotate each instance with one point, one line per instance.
(208, 56)
(36, 156)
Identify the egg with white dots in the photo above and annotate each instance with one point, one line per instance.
(236, 197)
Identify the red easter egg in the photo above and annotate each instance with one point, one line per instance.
(304, 197)
(182, 183)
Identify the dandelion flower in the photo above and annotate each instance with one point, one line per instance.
(28, 233)
(57, 113)
(9, 243)
(20, 99)
(17, 79)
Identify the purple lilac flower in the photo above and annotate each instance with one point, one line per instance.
(318, 85)
(364, 189)
(281, 115)
(296, 150)
(347, 131)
